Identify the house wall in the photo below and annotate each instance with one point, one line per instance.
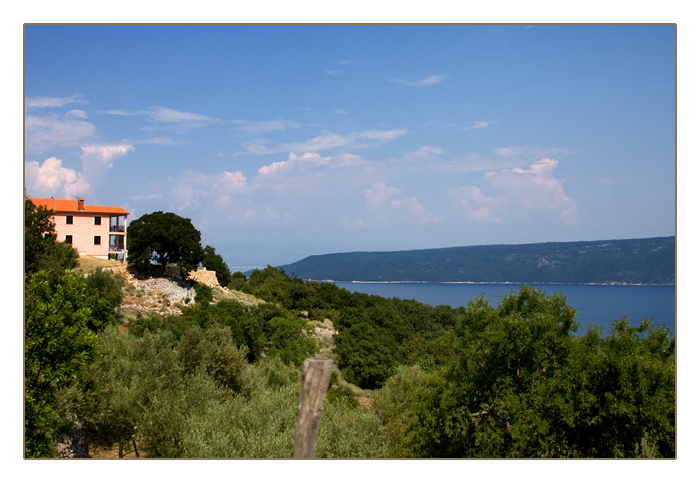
(84, 231)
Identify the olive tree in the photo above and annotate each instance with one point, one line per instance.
(164, 238)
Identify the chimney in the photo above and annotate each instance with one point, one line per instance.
(81, 204)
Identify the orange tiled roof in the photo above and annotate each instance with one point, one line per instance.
(69, 206)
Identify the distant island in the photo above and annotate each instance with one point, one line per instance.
(646, 261)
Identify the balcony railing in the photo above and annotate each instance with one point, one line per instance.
(117, 228)
(116, 248)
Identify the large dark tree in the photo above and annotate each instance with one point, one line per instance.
(164, 238)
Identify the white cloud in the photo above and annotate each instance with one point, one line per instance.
(51, 178)
(380, 193)
(325, 141)
(409, 205)
(479, 125)
(161, 140)
(257, 127)
(170, 117)
(428, 81)
(384, 202)
(103, 155)
(43, 132)
(223, 191)
(521, 195)
(530, 152)
(271, 168)
(295, 162)
(475, 204)
(422, 154)
(42, 102)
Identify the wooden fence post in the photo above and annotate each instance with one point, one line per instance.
(316, 374)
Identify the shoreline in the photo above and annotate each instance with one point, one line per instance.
(604, 284)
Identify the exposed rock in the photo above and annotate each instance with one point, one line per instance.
(205, 277)
(76, 445)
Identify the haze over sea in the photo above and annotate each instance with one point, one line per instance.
(595, 304)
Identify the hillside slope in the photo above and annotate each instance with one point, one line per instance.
(632, 261)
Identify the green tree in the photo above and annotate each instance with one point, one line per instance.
(238, 280)
(164, 238)
(40, 248)
(523, 385)
(214, 349)
(215, 262)
(367, 353)
(104, 294)
(57, 343)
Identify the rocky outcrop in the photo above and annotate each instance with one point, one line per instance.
(205, 277)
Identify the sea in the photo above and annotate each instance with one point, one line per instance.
(595, 304)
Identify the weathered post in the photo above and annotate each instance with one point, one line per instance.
(316, 374)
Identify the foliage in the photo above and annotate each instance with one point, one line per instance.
(104, 293)
(203, 293)
(57, 343)
(367, 354)
(164, 238)
(213, 349)
(395, 404)
(524, 386)
(198, 398)
(238, 281)
(41, 251)
(348, 430)
(140, 390)
(215, 262)
(261, 426)
(222, 379)
(289, 339)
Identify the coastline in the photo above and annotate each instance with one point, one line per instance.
(502, 283)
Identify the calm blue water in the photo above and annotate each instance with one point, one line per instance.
(601, 304)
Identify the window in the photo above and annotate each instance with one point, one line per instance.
(69, 219)
(98, 240)
(98, 220)
(69, 239)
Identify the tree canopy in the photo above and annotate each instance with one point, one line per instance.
(40, 248)
(215, 262)
(164, 238)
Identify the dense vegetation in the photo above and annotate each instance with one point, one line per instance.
(645, 261)
(223, 379)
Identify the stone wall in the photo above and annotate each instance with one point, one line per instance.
(205, 277)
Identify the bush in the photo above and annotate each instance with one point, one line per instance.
(203, 294)
(213, 349)
(57, 344)
(105, 292)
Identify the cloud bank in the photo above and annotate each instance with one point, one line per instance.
(520, 195)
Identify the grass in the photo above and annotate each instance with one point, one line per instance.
(87, 264)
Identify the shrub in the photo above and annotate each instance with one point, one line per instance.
(203, 294)
(213, 349)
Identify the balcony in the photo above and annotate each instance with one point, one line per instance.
(116, 248)
(117, 228)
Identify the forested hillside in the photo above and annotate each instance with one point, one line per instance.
(632, 261)
(219, 378)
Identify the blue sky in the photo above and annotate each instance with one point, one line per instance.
(281, 142)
